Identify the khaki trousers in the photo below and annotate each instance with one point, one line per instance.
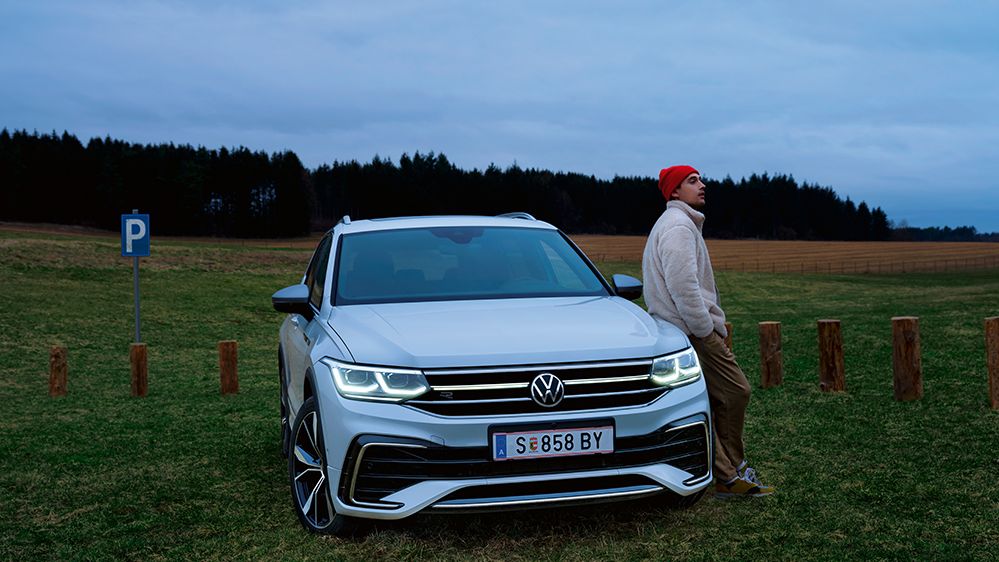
(728, 393)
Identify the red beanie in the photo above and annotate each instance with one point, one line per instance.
(671, 178)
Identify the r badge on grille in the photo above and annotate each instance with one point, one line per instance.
(547, 390)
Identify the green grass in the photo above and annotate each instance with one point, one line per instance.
(187, 473)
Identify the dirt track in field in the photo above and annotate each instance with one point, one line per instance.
(726, 255)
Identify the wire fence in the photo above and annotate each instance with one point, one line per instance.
(859, 266)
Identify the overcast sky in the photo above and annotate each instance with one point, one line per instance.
(892, 102)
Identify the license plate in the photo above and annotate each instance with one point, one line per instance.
(553, 443)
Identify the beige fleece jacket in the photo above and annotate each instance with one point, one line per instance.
(679, 284)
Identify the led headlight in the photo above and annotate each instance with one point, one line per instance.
(676, 369)
(376, 383)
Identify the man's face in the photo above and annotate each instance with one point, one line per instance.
(691, 191)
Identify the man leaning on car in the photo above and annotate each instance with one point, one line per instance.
(680, 288)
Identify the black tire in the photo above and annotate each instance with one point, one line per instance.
(285, 422)
(310, 487)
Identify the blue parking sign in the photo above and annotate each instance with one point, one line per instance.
(134, 235)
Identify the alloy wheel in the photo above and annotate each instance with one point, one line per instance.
(311, 486)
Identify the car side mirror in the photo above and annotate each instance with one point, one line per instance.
(627, 286)
(293, 300)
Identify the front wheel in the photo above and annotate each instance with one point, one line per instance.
(310, 487)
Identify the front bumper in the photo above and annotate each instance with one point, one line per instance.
(390, 461)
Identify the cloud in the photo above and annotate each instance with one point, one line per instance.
(873, 99)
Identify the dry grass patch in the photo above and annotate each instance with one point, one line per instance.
(781, 256)
(96, 253)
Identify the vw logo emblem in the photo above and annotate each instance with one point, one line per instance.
(547, 390)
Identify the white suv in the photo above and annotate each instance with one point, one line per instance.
(457, 363)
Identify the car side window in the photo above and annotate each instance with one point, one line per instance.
(316, 278)
(311, 270)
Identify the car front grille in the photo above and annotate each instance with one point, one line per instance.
(379, 466)
(506, 391)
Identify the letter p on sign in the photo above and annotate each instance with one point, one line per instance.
(134, 235)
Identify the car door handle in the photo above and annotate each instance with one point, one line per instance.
(298, 324)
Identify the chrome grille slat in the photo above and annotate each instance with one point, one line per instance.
(606, 380)
(499, 386)
(491, 401)
(539, 368)
(575, 396)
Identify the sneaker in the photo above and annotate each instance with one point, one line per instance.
(741, 487)
(749, 473)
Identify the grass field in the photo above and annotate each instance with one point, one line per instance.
(186, 473)
(773, 256)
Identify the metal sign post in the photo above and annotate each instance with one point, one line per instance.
(135, 291)
(135, 244)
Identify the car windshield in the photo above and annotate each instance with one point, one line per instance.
(460, 263)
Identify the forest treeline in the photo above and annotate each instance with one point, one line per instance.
(197, 191)
(194, 191)
(760, 206)
(945, 234)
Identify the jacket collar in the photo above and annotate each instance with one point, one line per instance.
(694, 215)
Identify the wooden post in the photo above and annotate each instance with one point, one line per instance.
(728, 336)
(992, 358)
(771, 355)
(228, 376)
(58, 369)
(831, 378)
(906, 357)
(140, 369)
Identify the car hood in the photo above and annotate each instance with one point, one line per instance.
(502, 332)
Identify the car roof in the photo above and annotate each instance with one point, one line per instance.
(398, 223)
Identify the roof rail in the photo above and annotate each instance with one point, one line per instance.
(345, 220)
(518, 215)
